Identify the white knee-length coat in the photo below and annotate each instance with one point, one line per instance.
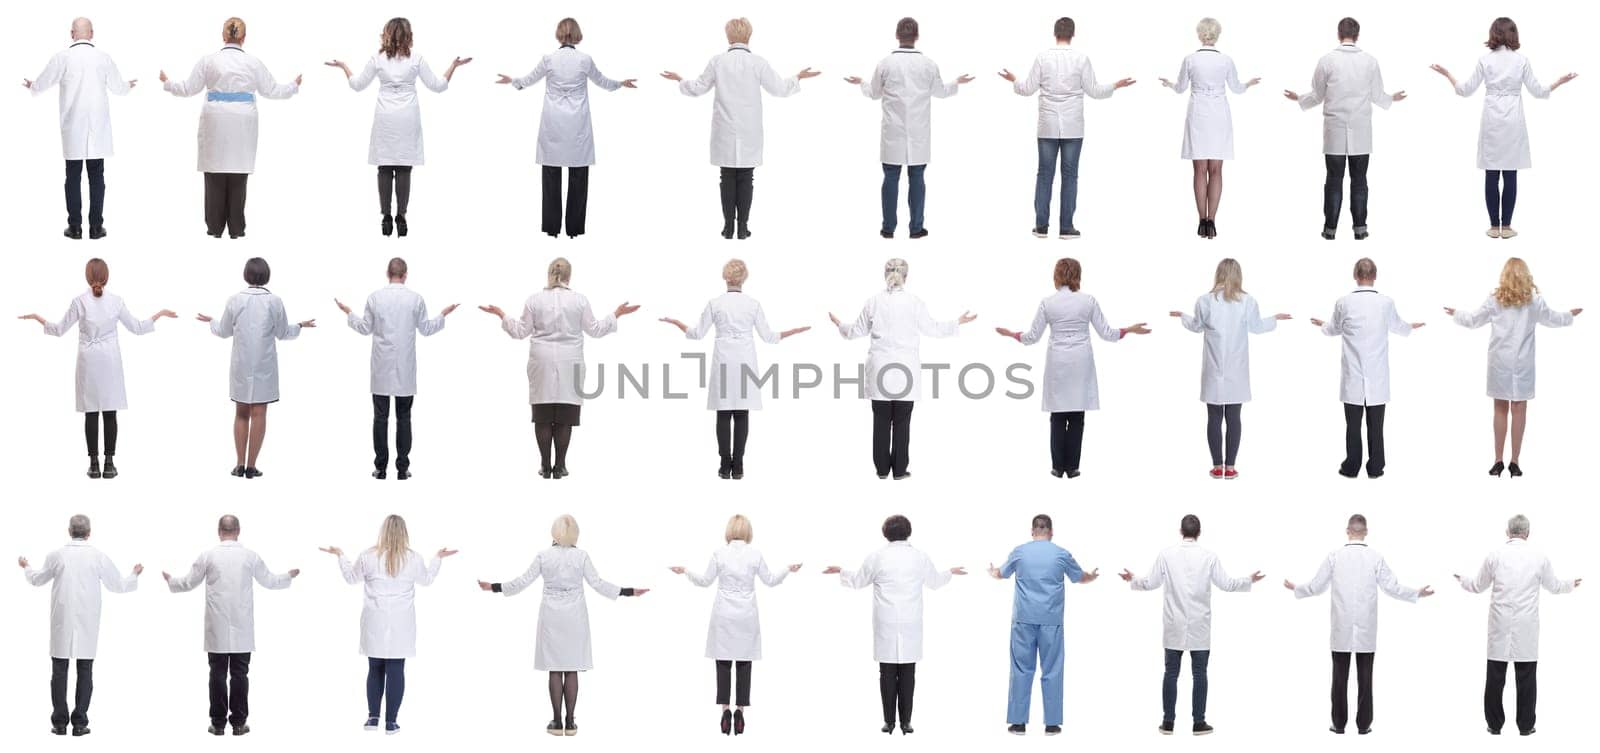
(76, 573)
(731, 382)
(256, 321)
(1225, 361)
(555, 321)
(86, 75)
(735, 631)
(388, 602)
(227, 139)
(566, 132)
(1511, 331)
(99, 374)
(897, 321)
(1070, 383)
(397, 120)
(738, 75)
(1208, 128)
(1503, 129)
(562, 642)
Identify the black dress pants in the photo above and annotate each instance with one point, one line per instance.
(726, 672)
(225, 203)
(897, 683)
(738, 187)
(85, 689)
(1066, 440)
(230, 688)
(1352, 439)
(577, 200)
(1341, 689)
(891, 436)
(97, 191)
(733, 430)
(1333, 190)
(402, 432)
(394, 188)
(1494, 710)
(91, 432)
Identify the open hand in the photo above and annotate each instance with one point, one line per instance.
(852, 79)
(623, 309)
(1256, 576)
(485, 585)
(963, 79)
(501, 78)
(309, 324)
(1126, 575)
(832, 570)
(202, 318)
(795, 568)
(333, 550)
(1291, 96)
(966, 317)
(342, 307)
(807, 73)
(447, 309)
(1138, 329)
(446, 552)
(1007, 75)
(630, 83)
(670, 76)
(1124, 83)
(493, 310)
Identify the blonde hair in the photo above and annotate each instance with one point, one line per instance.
(1068, 274)
(567, 31)
(564, 531)
(895, 272)
(739, 31)
(394, 543)
(559, 273)
(233, 30)
(1516, 284)
(735, 272)
(738, 530)
(97, 274)
(1366, 269)
(1229, 285)
(1208, 30)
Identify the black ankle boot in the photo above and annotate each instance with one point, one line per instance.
(109, 470)
(388, 225)
(94, 467)
(400, 225)
(727, 229)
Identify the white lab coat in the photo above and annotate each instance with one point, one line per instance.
(86, 75)
(75, 573)
(897, 322)
(732, 377)
(99, 373)
(897, 574)
(1511, 334)
(1187, 571)
(227, 572)
(566, 134)
(1503, 129)
(562, 644)
(393, 317)
(738, 75)
(1062, 76)
(555, 321)
(1208, 128)
(1356, 573)
(1347, 83)
(228, 129)
(397, 119)
(1365, 318)
(256, 321)
(1225, 360)
(388, 604)
(735, 631)
(1513, 574)
(1070, 382)
(907, 81)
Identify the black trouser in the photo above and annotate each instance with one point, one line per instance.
(733, 428)
(897, 683)
(91, 432)
(402, 431)
(1333, 190)
(1224, 450)
(394, 180)
(230, 688)
(85, 689)
(1494, 711)
(97, 191)
(891, 436)
(577, 199)
(1352, 439)
(738, 183)
(726, 669)
(1341, 689)
(225, 203)
(1066, 440)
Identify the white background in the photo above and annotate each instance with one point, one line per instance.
(643, 485)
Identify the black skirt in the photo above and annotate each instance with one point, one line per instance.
(556, 413)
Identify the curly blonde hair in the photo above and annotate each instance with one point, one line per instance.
(1516, 284)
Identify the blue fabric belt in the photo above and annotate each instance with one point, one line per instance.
(215, 96)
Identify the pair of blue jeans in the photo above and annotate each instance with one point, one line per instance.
(1035, 646)
(385, 677)
(1051, 150)
(916, 195)
(1502, 202)
(1169, 684)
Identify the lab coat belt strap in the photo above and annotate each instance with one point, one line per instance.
(216, 96)
(98, 339)
(1496, 91)
(1206, 91)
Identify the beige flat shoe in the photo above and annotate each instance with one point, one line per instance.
(1493, 232)
(1507, 232)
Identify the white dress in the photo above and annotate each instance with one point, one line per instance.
(1208, 128)
(76, 573)
(1503, 129)
(1225, 361)
(393, 317)
(897, 321)
(732, 378)
(897, 573)
(397, 120)
(555, 321)
(99, 374)
(563, 633)
(1511, 334)
(1070, 383)
(256, 321)
(735, 630)
(566, 133)
(388, 603)
(738, 75)
(907, 81)
(228, 129)
(86, 75)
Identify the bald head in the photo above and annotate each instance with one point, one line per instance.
(228, 527)
(82, 28)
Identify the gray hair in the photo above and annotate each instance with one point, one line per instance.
(1517, 526)
(228, 524)
(895, 272)
(1358, 524)
(1208, 29)
(78, 527)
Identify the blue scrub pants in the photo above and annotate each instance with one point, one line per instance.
(1031, 646)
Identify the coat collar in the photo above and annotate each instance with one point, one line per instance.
(910, 50)
(77, 542)
(256, 290)
(80, 43)
(1349, 47)
(738, 47)
(1364, 289)
(1356, 543)
(236, 47)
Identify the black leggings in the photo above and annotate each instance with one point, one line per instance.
(1500, 201)
(897, 683)
(558, 436)
(1215, 415)
(91, 435)
(1066, 440)
(563, 687)
(733, 428)
(725, 676)
(395, 180)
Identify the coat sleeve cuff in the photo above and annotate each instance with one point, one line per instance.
(625, 592)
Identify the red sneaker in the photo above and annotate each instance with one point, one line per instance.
(1216, 473)
(1230, 474)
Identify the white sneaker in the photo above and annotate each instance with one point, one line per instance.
(1507, 232)
(1493, 232)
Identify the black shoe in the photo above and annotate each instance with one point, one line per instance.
(1211, 229)
(559, 471)
(380, 474)
(1366, 731)
(738, 470)
(58, 729)
(727, 722)
(109, 470)
(214, 235)
(1527, 732)
(1018, 729)
(571, 725)
(400, 225)
(1042, 231)
(1057, 472)
(1051, 730)
(727, 230)
(1493, 731)
(94, 467)
(544, 471)
(888, 728)
(402, 474)
(74, 232)
(903, 476)
(1379, 474)
(1200, 229)
(744, 232)
(238, 470)
(388, 225)
(923, 233)
(738, 722)
(882, 476)
(1516, 470)
(251, 472)
(905, 729)
(1071, 234)
(96, 232)
(1201, 728)
(555, 728)
(1327, 233)
(241, 729)
(80, 731)
(726, 469)
(886, 234)
(1496, 469)
(1336, 730)
(1165, 728)
(1361, 232)
(1348, 474)
(1074, 473)
(236, 236)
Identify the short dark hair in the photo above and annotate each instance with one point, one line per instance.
(256, 272)
(1349, 29)
(397, 267)
(1190, 527)
(1065, 28)
(906, 30)
(897, 528)
(1043, 523)
(1503, 33)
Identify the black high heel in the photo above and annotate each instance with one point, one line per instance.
(388, 225)
(1200, 229)
(1496, 469)
(1515, 469)
(1211, 229)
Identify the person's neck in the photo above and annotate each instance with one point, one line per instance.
(1063, 42)
(1366, 283)
(226, 539)
(397, 280)
(1358, 539)
(1190, 539)
(908, 45)
(1043, 536)
(1350, 42)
